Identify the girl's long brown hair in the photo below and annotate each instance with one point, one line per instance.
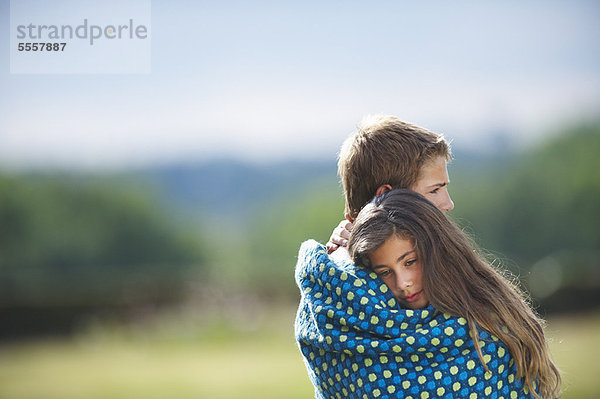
(458, 280)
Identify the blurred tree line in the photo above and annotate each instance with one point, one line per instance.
(69, 248)
(72, 246)
(540, 209)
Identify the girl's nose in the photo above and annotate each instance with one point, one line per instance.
(403, 281)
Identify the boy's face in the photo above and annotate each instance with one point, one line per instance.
(433, 183)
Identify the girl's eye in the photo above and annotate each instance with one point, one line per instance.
(410, 262)
(385, 273)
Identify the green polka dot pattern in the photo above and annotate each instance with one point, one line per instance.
(357, 341)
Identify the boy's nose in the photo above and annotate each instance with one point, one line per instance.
(448, 203)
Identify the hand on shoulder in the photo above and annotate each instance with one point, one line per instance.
(339, 236)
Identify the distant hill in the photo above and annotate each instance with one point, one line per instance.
(229, 188)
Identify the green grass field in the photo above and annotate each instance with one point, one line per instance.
(575, 345)
(218, 362)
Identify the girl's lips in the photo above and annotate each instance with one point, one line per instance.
(413, 297)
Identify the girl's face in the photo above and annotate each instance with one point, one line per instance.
(397, 264)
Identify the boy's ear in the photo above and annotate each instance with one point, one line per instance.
(384, 188)
(348, 218)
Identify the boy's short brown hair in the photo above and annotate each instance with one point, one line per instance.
(385, 150)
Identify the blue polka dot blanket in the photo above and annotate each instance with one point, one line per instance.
(358, 342)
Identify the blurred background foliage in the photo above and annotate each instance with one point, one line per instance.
(220, 239)
(88, 243)
(538, 209)
(72, 246)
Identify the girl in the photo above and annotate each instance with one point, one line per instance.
(426, 260)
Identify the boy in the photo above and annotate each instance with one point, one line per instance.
(386, 153)
(353, 335)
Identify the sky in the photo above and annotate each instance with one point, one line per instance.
(265, 81)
